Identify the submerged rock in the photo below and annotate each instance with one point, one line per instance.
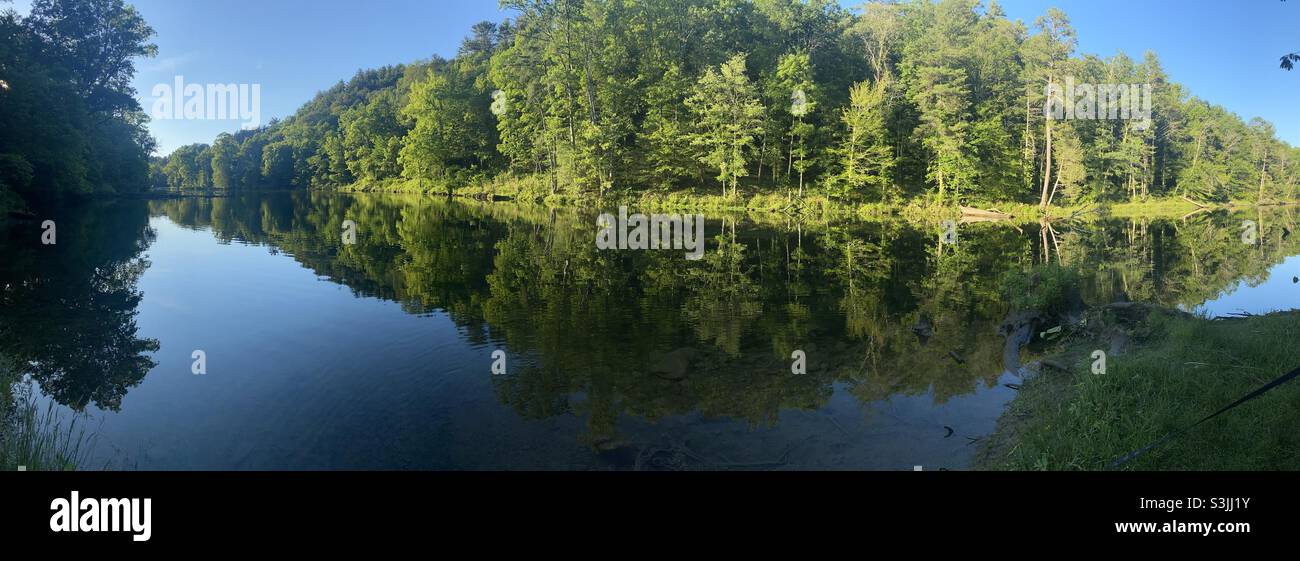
(675, 365)
(608, 444)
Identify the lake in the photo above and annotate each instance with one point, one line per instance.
(473, 335)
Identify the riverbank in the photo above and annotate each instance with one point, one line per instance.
(1165, 370)
(536, 189)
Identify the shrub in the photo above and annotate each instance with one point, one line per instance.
(1049, 289)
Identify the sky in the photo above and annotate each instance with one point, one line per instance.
(1224, 51)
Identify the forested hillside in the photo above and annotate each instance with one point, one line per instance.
(940, 102)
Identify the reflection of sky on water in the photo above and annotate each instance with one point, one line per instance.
(1278, 292)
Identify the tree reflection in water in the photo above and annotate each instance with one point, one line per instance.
(67, 314)
(650, 334)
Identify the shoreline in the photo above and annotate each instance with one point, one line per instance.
(1166, 370)
(524, 191)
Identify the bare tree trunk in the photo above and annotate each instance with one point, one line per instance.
(554, 178)
(801, 168)
(790, 163)
(1028, 147)
(1263, 171)
(1047, 162)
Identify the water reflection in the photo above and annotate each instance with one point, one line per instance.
(67, 313)
(647, 350)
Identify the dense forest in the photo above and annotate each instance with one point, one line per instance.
(938, 102)
(70, 123)
(932, 102)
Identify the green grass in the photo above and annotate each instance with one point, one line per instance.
(1151, 208)
(1179, 370)
(39, 439)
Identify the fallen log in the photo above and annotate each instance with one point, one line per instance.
(981, 213)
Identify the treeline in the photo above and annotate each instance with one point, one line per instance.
(69, 120)
(938, 101)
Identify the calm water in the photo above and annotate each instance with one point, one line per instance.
(322, 355)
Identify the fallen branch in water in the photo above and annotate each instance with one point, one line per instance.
(1130, 306)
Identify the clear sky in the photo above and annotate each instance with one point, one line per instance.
(1225, 51)
(292, 48)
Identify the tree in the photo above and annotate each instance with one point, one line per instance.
(880, 30)
(451, 127)
(98, 40)
(372, 137)
(865, 157)
(1262, 135)
(794, 83)
(277, 164)
(936, 78)
(1046, 56)
(728, 117)
(71, 123)
(931, 98)
(664, 136)
(224, 153)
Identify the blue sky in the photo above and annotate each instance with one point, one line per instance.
(292, 48)
(1224, 51)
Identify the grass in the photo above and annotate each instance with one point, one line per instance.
(37, 439)
(1180, 369)
(1151, 208)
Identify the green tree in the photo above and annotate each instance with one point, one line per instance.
(728, 116)
(98, 41)
(225, 151)
(866, 159)
(665, 137)
(372, 137)
(451, 128)
(1046, 55)
(70, 122)
(794, 79)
